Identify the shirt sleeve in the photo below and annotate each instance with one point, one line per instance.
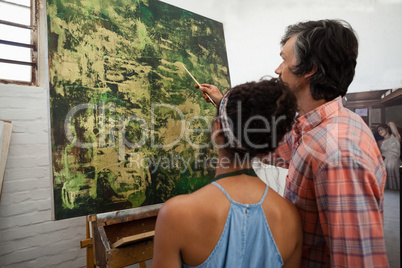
(350, 208)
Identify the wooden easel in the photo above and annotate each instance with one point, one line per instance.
(88, 244)
(120, 238)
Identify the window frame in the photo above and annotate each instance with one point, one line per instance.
(33, 27)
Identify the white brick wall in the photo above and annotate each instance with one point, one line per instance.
(28, 235)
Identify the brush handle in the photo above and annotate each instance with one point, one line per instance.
(212, 101)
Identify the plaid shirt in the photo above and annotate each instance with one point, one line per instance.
(336, 179)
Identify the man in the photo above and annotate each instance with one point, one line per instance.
(336, 175)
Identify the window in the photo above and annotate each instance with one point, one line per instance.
(18, 41)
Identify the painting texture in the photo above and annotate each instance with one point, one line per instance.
(128, 127)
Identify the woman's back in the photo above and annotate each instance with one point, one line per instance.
(202, 216)
(190, 229)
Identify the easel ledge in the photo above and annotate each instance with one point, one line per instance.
(120, 238)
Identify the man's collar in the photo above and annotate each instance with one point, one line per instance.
(313, 118)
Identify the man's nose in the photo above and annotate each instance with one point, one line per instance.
(278, 70)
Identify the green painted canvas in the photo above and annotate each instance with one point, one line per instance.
(128, 128)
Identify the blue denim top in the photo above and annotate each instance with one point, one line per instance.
(246, 240)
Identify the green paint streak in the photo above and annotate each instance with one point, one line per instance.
(107, 96)
(137, 198)
(184, 13)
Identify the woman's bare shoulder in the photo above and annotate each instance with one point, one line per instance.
(285, 224)
(282, 208)
(175, 208)
(174, 228)
(184, 206)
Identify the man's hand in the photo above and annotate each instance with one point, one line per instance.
(212, 91)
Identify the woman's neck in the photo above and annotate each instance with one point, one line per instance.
(230, 163)
(387, 136)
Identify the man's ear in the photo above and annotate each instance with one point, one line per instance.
(312, 72)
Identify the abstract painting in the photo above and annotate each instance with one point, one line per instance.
(128, 127)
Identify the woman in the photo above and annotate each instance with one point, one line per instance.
(390, 149)
(236, 221)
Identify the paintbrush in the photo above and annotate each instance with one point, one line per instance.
(206, 94)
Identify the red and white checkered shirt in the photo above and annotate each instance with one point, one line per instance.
(336, 179)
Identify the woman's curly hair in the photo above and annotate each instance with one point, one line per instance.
(260, 114)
